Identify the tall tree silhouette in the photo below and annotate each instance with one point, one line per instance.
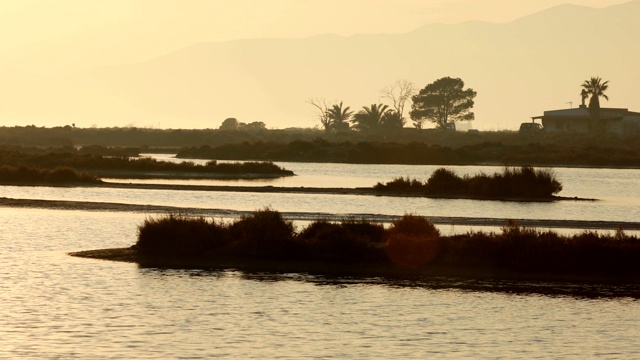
(370, 118)
(322, 112)
(596, 88)
(443, 102)
(399, 93)
(339, 116)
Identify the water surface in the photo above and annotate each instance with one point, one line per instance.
(59, 307)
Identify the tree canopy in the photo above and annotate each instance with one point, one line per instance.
(370, 118)
(443, 102)
(596, 88)
(229, 124)
(338, 115)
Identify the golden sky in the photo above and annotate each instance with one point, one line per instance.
(25, 21)
(50, 50)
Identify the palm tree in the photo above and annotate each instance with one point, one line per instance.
(339, 117)
(596, 88)
(370, 118)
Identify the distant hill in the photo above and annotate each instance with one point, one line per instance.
(519, 69)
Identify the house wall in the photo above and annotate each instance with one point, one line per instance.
(615, 127)
(565, 125)
(631, 125)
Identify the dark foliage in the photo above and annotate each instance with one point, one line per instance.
(523, 182)
(411, 241)
(265, 234)
(30, 175)
(406, 146)
(93, 161)
(349, 241)
(176, 234)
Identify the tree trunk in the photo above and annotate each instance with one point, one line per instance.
(594, 113)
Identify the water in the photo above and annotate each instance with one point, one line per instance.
(54, 306)
(617, 191)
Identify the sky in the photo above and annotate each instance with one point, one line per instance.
(25, 22)
(51, 38)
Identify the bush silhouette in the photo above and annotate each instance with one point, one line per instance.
(265, 234)
(523, 182)
(349, 241)
(410, 242)
(413, 242)
(176, 234)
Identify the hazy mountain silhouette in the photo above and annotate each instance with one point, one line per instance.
(519, 69)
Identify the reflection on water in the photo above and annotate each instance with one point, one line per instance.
(575, 290)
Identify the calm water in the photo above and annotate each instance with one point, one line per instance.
(53, 306)
(618, 192)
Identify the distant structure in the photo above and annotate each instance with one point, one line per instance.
(577, 120)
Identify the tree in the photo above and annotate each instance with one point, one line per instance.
(229, 124)
(322, 112)
(392, 120)
(255, 126)
(596, 88)
(370, 118)
(399, 93)
(339, 117)
(443, 102)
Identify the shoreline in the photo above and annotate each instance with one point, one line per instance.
(183, 175)
(297, 216)
(364, 191)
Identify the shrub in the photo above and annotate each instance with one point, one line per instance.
(264, 234)
(373, 232)
(349, 241)
(413, 241)
(401, 184)
(445, 181)
(63, 174)
(176, 234)
(523, 182)
(59, 175)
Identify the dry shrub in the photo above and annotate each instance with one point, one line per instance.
(177, 234)
(349, 241)
(264, 234)
(413, 241)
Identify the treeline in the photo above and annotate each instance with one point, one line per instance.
(320, 150)
(343, 152)
(520, 183)
(411, 242)
(140, 137)
(407, 146)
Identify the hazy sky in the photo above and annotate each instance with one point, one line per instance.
(26, 21)
(47, 48)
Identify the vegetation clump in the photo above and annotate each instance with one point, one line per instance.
(30, 175)
(410, 242)
(413, 242)
(523, 182)
(117, 163)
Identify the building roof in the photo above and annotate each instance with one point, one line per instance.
(583, 112)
